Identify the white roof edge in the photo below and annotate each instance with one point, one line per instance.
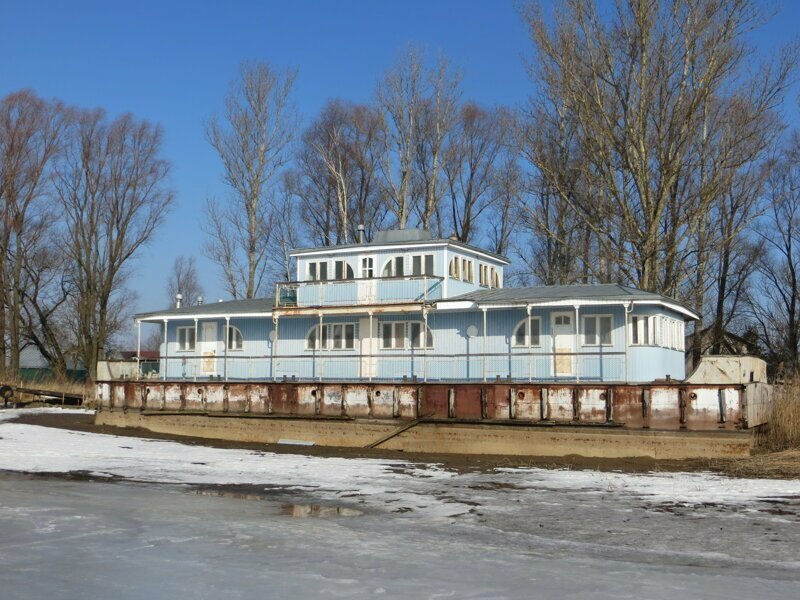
(170, 317)
(395, 246)
(464, 304)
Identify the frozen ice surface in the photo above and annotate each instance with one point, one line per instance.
(424, 531)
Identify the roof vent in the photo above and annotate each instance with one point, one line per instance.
(361, 233)
(200, 301)
(402, 235)
(178, 298)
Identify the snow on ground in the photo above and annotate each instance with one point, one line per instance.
(661, 520)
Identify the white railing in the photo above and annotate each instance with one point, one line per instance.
(393, 366)
(381, 290)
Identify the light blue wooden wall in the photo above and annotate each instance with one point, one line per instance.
(454, 355)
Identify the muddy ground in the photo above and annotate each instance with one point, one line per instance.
(780, 465)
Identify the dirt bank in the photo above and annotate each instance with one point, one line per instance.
(782, 465)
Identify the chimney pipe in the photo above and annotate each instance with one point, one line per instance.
(361, 233)
(178, 298)
(199, 301)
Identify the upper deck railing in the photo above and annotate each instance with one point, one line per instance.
(351, 292)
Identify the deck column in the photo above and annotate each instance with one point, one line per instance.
(166, 351)
(484, 343)
(197, 361)
(138, 348)
(372, 362)
(319, 341)
(274, 353)
(578, 344)
(225, 341)
(530, 345)
(424, 345)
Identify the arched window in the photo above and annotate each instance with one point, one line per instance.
(342, 270)
(520, 339)
(455, 272)
(315, 341)
(415, 331)
(393, 267)
(235, 339)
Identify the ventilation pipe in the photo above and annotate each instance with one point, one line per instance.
(361, 233)
(178, 298)
(199, 301)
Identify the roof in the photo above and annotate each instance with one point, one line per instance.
(262, 306)
(401, 237)
(556, 293)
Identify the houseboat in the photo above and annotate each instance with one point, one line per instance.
(414, 343)
(408, 307)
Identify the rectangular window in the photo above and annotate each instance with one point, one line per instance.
(185, 339)
(422, 264)
(597, 330)
(634, 331)
(393, 335)
(536, 332)
(313, 339)
(368, 267)
(318, 271)
(344, 336)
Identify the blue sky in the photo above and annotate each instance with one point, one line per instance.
(171, 62)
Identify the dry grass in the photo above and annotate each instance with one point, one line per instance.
(783, 430)
(55, 385)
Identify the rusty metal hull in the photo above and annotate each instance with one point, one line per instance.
(662, 406)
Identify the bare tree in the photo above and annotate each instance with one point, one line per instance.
(653, 92)
(183, 280)
(471, 160)
(252, 139)
(774, 301)
(30, 130)
(110, 184)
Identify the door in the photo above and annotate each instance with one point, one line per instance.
(367, 345)
(367, 284)
(208, 348)
(563, 327)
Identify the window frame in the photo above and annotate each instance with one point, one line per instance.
(428, 335)
(347, 270)
(367, 272)
(528, 342)
(318, 342)
(597, 318)
(392, 263)
(318, 267)
(393, 337)
(344, 327)
(185, 328)
(231, 330)
(425, 260)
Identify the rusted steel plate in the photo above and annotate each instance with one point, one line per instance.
(435, 402)
(133, 399)
(527, 403)
(259, 395)
(309, 400)
(383, 402)
(559, 404)
(214, 398)
(284, 399)
(118, 396)
(332, 400)
(664, 408)
(627, 406)
(713, 408)
(357, 401)
(405, 401)
(172, 396)
(154, 397)
(592, 405)
(467, 402)
(497, 402)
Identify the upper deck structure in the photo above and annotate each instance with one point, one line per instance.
(409, 307)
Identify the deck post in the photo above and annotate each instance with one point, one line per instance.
(530, 345)
(166, 351)
(319, 341)
(274, 352)
(197, 362)
(578, 344)
(484, 343)
(424, 345)
(138, 348)
(225, 341)
(372, 365)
